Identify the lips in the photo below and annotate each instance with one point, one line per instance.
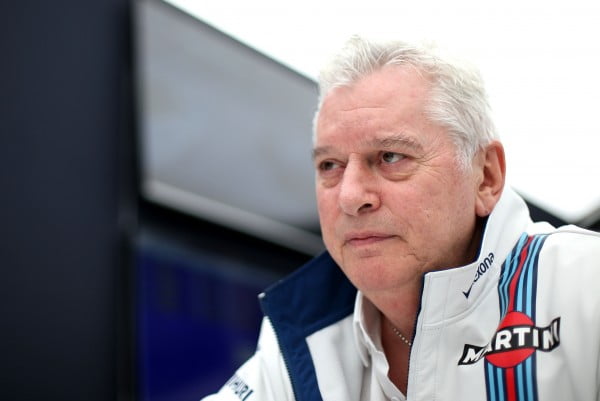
(366, 238)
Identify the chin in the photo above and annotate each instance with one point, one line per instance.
(379, 271)
(368, 273)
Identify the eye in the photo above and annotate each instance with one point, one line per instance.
(391, 157)
(328, 165)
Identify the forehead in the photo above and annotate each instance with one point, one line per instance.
(389, 81)
(390, 102)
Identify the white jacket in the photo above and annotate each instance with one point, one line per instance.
(520, 323)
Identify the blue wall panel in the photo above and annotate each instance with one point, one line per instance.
(198, 320)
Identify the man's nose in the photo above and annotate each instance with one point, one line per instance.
(358, 191)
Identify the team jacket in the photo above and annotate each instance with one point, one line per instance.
(522, 322)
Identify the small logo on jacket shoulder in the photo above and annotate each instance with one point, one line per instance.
(483, 267)
(514, 341)
(239, 387)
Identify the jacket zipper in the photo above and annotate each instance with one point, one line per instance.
(265, 308)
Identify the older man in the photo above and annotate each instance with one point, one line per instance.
(460, 295)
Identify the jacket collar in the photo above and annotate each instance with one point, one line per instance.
(451, 292)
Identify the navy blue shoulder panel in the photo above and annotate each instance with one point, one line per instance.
(315, 296)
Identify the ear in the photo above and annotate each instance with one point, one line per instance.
(492, 177)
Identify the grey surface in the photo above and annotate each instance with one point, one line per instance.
(226, 132)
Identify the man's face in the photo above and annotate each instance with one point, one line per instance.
(393, 203)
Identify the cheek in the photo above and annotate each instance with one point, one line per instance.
(326, 200)
(425, 206)
(455, 207)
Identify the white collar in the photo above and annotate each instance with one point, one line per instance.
(367, 333)
(367, 328)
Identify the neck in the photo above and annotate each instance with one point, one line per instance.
(398, 307)
(397, 353)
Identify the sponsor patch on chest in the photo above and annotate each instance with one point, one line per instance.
(514, 341)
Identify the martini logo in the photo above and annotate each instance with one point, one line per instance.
(515, 340)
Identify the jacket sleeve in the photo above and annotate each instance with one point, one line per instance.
(263, 377)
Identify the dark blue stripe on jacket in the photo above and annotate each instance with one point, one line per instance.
(312, 298)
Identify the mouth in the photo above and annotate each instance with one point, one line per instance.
(364, 239)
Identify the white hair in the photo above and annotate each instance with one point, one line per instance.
(457, 98)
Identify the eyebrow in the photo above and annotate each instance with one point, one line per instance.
(397, 140)
(318, 151)
(392, 141)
